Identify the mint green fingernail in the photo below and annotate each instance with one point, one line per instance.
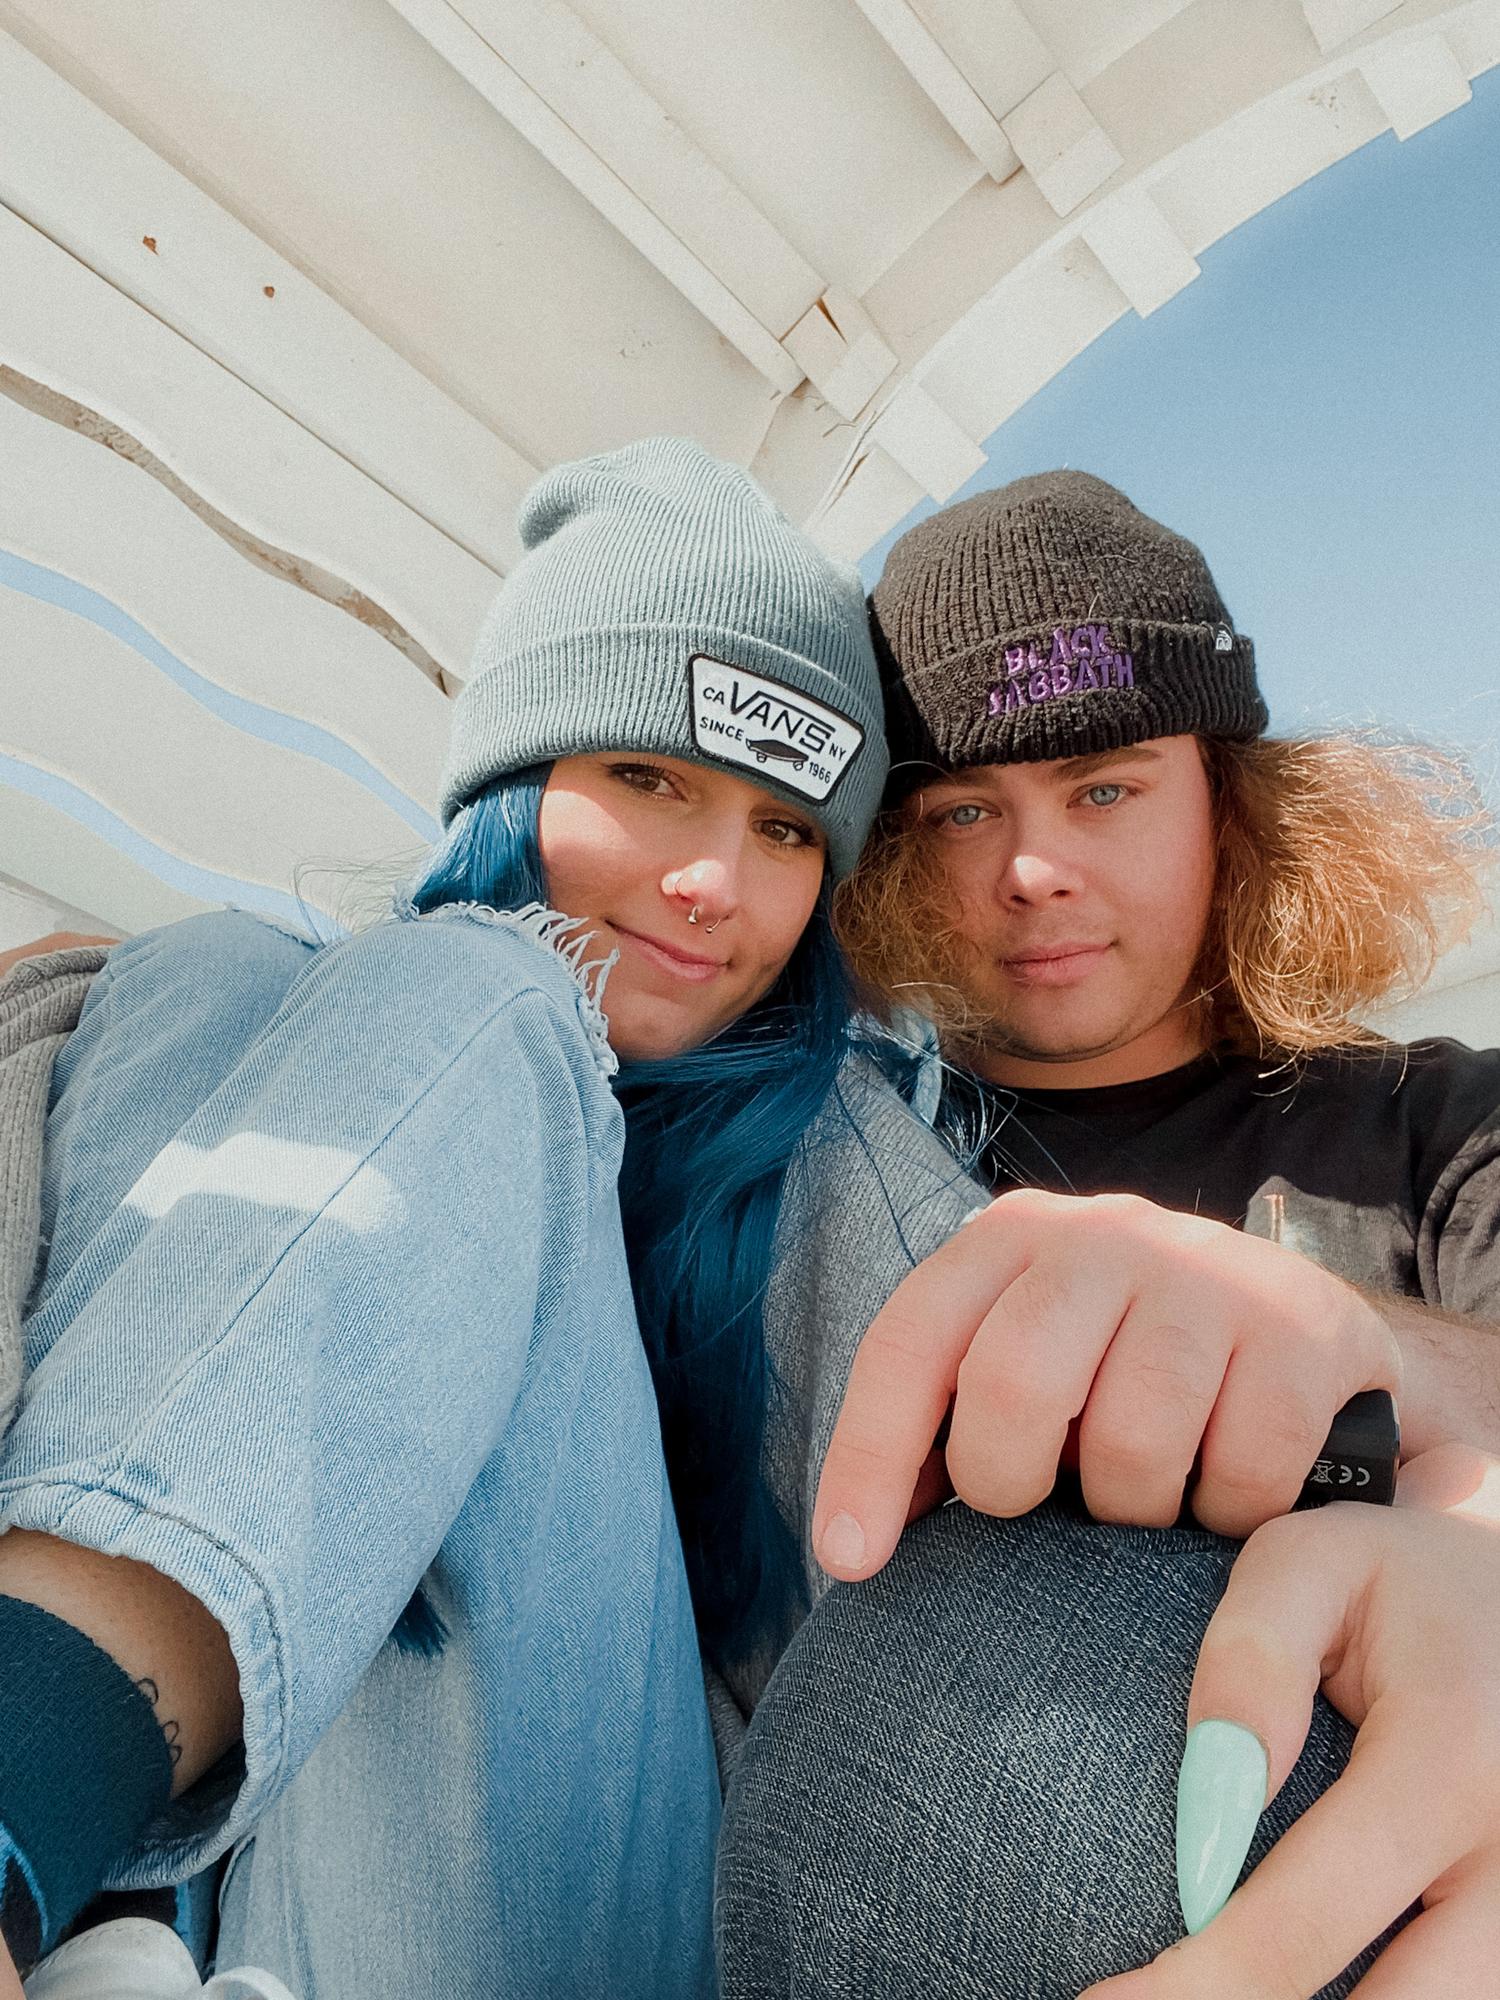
(1221, 1794)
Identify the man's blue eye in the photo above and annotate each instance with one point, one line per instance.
(1114, 792)
(956, 816)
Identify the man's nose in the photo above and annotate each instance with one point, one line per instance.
(1034, 876)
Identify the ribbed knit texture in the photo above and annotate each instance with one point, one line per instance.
(84, 1766)
(40, 1001)
(637, 560)
(1050, 618)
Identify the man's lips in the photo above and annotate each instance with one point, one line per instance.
(1054, 964)
(691, 965)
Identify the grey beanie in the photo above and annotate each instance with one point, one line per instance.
(665, 605)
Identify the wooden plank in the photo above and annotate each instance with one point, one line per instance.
(841, 349)
(519, 104)
(291, 668)
(918, 433)
(65, 326)
(1139, 248)
(141, 757)
(1062, 145)
(944, 84)
(26, 915)
(871, 494)
(83, 180)
(1416, 80)
(1335, 22)
(586, 84)
(68, 862)
(994, 45)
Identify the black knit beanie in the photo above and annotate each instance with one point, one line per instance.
(1051, 618)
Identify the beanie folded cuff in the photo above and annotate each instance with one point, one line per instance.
(630, 687)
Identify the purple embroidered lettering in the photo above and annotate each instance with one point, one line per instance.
(997, 698)
(1015, 659)
(1015, 696)
(1039, 687)
(1124, 670)
(1062, 679)
(1087, 677)
(1061, 652)
(1083, 642)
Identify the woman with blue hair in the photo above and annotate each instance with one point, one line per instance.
(338, 1334)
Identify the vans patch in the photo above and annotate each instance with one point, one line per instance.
(768, 728)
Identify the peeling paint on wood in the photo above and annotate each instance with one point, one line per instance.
(317, 582)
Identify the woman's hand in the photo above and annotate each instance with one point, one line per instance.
(10, 1979)
(54, 941)
(1397, 1614)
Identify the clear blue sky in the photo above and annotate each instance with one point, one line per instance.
(1320, 410)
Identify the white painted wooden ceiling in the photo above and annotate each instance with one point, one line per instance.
(297, 297)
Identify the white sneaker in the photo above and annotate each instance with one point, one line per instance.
(133, 1958)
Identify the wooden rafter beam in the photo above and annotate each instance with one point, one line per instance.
(593, 173)
(930, 66)
(87, 184)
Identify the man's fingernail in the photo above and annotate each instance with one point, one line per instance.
(1221, 1793)
(843, 1543)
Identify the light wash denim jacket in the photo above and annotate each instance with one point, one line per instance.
(404, 1349)
(335, 1300)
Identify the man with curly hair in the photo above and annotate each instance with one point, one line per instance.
(1147, 934)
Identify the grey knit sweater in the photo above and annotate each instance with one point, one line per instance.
(870, 1193)
(40, 1001)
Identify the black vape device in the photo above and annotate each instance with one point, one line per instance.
(1362, 1455)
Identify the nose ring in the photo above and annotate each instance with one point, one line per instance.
(709, 929)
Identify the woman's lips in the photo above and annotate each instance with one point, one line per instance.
(687, 965)
(1058, 965)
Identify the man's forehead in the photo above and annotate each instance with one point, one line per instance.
(1062, 769)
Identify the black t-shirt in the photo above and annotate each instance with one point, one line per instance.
(1383, 1165)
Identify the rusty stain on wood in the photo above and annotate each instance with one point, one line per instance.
(150, 243)
(317, 582)
(269, 290)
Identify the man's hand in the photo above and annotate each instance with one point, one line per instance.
(1169, 1339)
(54, 941)
(1397, 1612)
(10, 1979)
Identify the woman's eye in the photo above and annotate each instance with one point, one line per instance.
(642, 777)
(787, 833)
(1104, 795)
(960, 816)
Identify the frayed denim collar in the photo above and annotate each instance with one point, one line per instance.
(565, 938)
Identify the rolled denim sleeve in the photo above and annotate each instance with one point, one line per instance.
(275, 1369)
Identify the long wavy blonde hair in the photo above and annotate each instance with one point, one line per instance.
(1344, 866)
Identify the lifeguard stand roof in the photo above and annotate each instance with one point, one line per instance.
(298, 297)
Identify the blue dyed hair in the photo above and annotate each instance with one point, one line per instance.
(709, 1135)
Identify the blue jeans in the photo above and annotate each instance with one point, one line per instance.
(336, 1304)
(961, 1779)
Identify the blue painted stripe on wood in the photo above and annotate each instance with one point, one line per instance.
(205, 883)
(268, 725)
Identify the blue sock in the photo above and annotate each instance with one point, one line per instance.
(84, 1767)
